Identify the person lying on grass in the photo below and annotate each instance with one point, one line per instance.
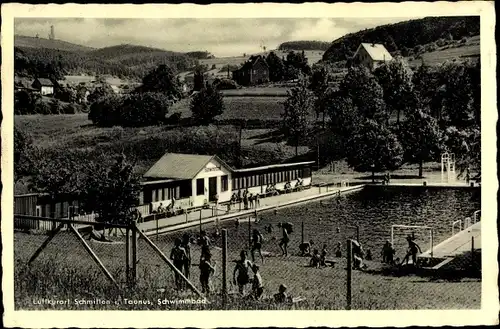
(242, 268)
(305, 248)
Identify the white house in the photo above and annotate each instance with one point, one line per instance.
(44, 86)
(371, 55)
(189, 178)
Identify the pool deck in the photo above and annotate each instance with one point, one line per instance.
(183, 221)
(457, 244)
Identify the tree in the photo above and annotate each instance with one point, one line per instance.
(318, 83)
(24, 102)
(458, 107)
(60, 174)
(420, 137)
(198, 80)
(143, 109)
(207, 104)
(298, 61)
(366, 94)
(276, 67)
(465, 144)
(111, 192)
(104, 90)
(296, 109)
(23, 154)
(104, 112)
(374, 148)
(162, 79)
(395, 78)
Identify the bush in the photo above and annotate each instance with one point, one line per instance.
(463, 40)
(174, 118)
(42, 108)
(69, 109)
(225, 84)
(430, 47)
(132, 110)
(441, 42)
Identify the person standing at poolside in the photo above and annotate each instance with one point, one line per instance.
(242, 268)
(186, 244)
(257, 244)
(206, 270)
(257, 285)
(178, 257)
(413, 250)
(284, 240)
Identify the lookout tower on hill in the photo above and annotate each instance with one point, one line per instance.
(52, 34)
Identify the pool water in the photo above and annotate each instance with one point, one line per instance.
(374, 209)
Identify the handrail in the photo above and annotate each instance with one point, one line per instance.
(459, 221)
(475, 216)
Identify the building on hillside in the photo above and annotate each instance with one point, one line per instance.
(43, 86)
(254, 71)
(194, 180)
(20, 84)
(371, 55)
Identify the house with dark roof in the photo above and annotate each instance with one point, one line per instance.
(371, 55)
(43, 86)
(255, 71)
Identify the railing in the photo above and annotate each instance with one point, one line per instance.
(459, 222)
(477, 216)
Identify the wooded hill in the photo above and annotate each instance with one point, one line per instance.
(304, 45)
(33, 55)
(404, 35)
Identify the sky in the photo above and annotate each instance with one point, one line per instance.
(221, 37)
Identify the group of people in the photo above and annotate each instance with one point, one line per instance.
(412, 251)
(181, 258)
(250, 200)
(163, 210)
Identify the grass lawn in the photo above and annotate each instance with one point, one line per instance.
(323, 288)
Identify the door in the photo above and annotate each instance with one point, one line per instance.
(212, 188)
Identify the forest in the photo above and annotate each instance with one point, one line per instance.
(405, 35)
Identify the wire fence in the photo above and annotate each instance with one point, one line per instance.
(99, 261)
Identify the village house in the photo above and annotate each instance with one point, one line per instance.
(43, 86)
(371, 55)
(254, 71)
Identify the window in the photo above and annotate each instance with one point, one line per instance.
(235, 183)
(200, 186)
(224, 183)
(307, 172)
(154, 196)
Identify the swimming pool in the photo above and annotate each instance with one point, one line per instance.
(374, 209)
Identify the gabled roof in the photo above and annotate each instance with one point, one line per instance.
(251, 62)
(45, 82)
(376, 51)
(181, 166)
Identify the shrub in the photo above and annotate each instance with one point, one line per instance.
(174, 118)
(463, 40)
(42, 108)
(225, 84)
(69, 109)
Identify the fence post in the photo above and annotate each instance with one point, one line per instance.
(200, 220)
(134, 251)
(156, 219)
(349, 274)
(249, 233)
(432, 243)
(302, 233)
(357, 232)
(472, 251)
(224, 266)
(186, 212)
(127, 254)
